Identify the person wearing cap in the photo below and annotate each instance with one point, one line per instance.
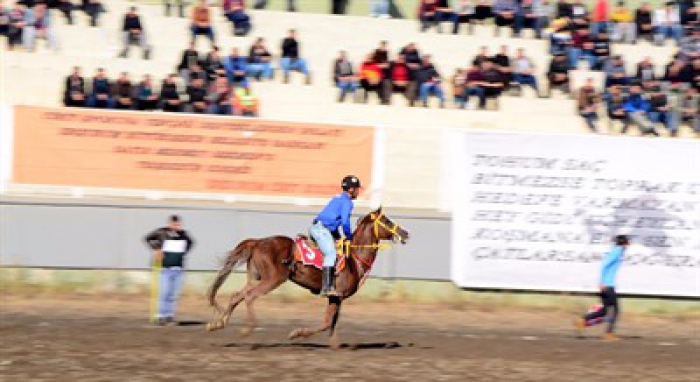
(611, 308)
(170, 245)
(327, 226)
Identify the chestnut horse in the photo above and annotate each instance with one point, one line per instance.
(271, 262)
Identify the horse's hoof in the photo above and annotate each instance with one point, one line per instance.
(245, 332)
(212, 326)
(296, 334)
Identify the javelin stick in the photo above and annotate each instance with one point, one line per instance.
(155, 285)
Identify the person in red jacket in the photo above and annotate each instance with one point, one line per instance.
(600, 17)
(371, 76)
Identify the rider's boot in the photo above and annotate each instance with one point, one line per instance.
(328, 286)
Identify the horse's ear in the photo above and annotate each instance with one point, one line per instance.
(379, 210)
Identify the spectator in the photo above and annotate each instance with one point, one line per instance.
(259, 60)
(660, 111)
(524, 71)
(493, 81)
(637, 108)
(482, 56)
(429, 82)
(133, 33)
(689, 14)
(564, 9)
(201, 22)
(180, 6)
(601, 50)
(213, 65)
(695, 73)
(615, 72)
(475, 86)
(93, 8)
(503, 66)
(560, 38)
(581, 48)
(236, 68)
(291, 59)
(588, 102)
(74, 95)
(381, 54)
(623, 26)
(558, 74)
(599, 18)
(371, 76)
(533, 14)
(220, 97)
(462, 14)
(399, 78)
(101, 97)
(690, 45)
(427, 14)
(482, 11)
(678, 74)
(443, 13)
(580, 17)
(170, 95)
(38, 24)
(147, 98)
(459, 86)
(379, 8)
(235, 13)
(4, 19)
(246, 103)
(413, 58)
(190, 58)
(667, 24)
(196, 97)
(198, 73)
(689, 109)
(124, 92)
(615, 106)
(646, 70)
(16, 25)
(643, 21)
(344, 76)
(504, 11)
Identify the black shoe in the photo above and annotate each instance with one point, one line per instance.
(328, 286)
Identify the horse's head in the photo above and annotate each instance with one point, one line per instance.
(385, 229)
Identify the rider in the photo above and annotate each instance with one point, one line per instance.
(326, 229)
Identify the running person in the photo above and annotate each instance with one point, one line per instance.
(326, 229)
(611, 308)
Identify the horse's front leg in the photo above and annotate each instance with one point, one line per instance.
(328, 322)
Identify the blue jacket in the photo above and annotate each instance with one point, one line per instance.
(336, 214)
(610, 266)
(636, 103)
(232, 64)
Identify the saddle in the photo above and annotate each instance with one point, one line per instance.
(308, 253)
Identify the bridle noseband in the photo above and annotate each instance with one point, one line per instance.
(377, 222)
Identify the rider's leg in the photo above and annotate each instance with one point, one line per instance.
(325, 241)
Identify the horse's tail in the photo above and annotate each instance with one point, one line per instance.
(239, 255)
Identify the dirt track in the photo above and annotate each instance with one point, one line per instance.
(89, 338)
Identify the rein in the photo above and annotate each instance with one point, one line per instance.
(363, 265)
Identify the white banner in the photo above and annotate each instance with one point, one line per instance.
(538, 211)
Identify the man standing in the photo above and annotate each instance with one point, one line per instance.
(170, 245)
(611, 308)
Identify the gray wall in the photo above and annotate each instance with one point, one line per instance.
(78, 234)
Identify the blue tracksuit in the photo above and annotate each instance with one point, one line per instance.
(326, 227)
(611, 264)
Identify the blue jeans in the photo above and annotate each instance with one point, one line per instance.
(591, 119)
(170, 285)
(662, 33)
(537, 24)
(526, 79)
(379, 7)
(474, 91)
(221, 109)
(576, 54)
(326, 242)
(429, 88)
(298, 64)
(666, 118)
(263, 69)
(206, 31)
(346, 87)
(597, 27)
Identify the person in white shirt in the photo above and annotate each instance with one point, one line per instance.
(523, 70)
(667, 24)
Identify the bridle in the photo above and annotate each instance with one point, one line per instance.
(364, 265)
(377, 222)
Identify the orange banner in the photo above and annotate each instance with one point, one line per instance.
(176, 152)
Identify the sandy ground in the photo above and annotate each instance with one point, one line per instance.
(98, 338)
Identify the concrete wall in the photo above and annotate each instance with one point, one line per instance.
(84, 234)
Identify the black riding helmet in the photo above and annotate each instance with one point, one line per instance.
(350, 181)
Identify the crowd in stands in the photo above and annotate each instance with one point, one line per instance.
(210, 93)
